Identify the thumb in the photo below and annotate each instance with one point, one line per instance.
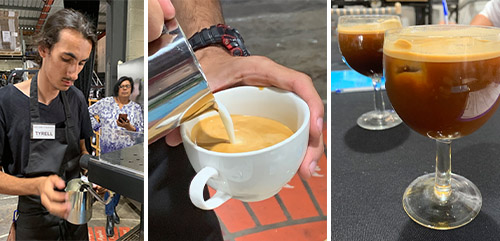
(57, 182)
(168, 9)
(174, 137)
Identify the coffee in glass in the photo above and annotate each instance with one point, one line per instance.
(361, 39)
(444, 82)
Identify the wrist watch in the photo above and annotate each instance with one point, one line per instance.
(220, 35)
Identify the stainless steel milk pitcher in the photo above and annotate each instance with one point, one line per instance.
(177, 88)
(81, 197)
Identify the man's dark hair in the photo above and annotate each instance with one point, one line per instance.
(120, 81)
(65, 19)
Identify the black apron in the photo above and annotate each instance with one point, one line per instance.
(170, 174)
(55, 156)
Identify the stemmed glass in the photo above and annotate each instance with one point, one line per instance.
(444, 82)
(361, 38)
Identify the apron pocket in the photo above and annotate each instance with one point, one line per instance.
(46, 156)
(37, 226)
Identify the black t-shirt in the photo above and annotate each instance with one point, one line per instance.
(15, 124)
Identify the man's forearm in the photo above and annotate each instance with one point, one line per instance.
(12, 185)
(194, 15)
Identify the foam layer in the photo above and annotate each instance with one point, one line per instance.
(379, 26)
(252, 133)
(444, 43)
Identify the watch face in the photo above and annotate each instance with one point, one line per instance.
(237, 43)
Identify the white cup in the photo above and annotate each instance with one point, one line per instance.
(255, 175)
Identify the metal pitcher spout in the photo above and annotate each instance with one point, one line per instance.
(177, 88)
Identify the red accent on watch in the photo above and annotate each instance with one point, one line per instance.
(222, 35)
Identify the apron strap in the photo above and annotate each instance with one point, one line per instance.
(70, 161)
(67, 111)
(34, 110)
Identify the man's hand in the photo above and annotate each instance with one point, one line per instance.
(224, 71)
(56, 202)
(158, 12)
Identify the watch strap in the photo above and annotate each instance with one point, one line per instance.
(220, 35)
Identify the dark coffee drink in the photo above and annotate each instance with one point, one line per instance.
(361, 45)
(441, 92)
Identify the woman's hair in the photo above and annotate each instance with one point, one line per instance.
(120, 81)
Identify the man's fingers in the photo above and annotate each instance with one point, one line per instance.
(56, 196)
(314, 152)
(155, 20)
(53, 200)
(50, 192)
(174, 137)
(269, 72)
(159, 12)
(55, 203)
(302, 85)
(167, 8)
(305, 89)
(60, 209)
(56, 182)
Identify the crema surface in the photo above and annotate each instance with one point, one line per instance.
(251, 132)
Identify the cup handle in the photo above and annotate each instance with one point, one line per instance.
(197, 186)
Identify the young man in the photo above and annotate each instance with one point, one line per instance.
(43, 124)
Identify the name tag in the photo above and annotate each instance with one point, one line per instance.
(43, 131)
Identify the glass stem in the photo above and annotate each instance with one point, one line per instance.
(377, 94)
(442, 185)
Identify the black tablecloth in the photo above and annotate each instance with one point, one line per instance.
(370, 171)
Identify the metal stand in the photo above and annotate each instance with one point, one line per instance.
(121, 171)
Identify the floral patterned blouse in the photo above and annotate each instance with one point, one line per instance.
(112, 136)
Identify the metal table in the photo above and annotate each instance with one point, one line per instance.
(122, 171)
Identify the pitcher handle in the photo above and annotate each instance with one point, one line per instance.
(197, 186)
(99, 198)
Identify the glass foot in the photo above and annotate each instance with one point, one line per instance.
(379, 120)
(424, 207)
